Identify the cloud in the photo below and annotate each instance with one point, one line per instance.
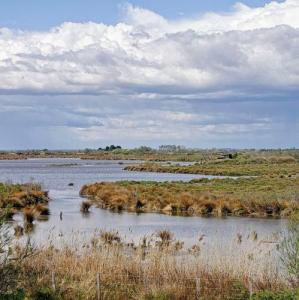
(247, 50)
(215, 80)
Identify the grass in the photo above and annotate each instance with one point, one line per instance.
(85, 206)
(151, 271)
(147, 154)
(28, 214)
(28, 198)
(259, 196)
(225, 168)
(21, 195)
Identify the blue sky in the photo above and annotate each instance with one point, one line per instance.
(195, 73)
(42, 15)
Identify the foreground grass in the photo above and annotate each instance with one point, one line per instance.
(261, 196)
(157, 268)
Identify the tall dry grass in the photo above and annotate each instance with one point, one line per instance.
(152, 269)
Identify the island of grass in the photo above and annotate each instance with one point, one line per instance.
(27, 197)
(257, 196)
(246, 166)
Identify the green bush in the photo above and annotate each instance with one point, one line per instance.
(45, 294)
(158, 296)
(266, 295)
(18, 295)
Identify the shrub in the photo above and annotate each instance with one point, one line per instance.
(45, 294)
(28, 215)
(110, 237)
(267, 295)
(85, 206)
(18, 295)
(289, 249)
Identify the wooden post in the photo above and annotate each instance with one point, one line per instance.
(197, 282)
(98, 286)
(250, 289)
(53, 282)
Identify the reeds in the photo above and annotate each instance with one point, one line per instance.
(42, 210)
(18, 230)
(125, 273)
(85, 206)
(29, 215)
(20, 196)
(110, 237)
(263, 196)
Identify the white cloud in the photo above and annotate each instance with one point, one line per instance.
(216, 80)
(246, 50)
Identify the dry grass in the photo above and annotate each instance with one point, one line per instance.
(42, 210)
(85, 206)
(148, 271)
(29, 215)
(21, 195)
(263, 196)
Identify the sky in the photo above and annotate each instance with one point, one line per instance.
(206, 74)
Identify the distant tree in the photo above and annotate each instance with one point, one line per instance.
(144, 149)
(87, 150)
(171, 148)
(111, 148)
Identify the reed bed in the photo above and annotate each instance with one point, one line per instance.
(263, 196)
(153, 269)
(19, 196)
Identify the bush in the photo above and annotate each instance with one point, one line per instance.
(289, 249)
(266, 295)
(45, 294)
(18, 295)
(158, 296)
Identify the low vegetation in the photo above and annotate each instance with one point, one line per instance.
(14, 197)
(284, 166)
(164, 153)
(262, 196)
(159, 267)
(85, 206)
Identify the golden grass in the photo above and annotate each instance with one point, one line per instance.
(149, 269)
(21, 195)
(29, 215)
(263, 196)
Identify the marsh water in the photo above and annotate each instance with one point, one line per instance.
(55, 175)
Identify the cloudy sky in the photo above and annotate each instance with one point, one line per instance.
(90, 73)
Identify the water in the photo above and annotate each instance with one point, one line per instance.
(56, 174)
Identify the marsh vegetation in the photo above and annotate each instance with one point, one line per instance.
(159, 267)
(258, 196)
(29, 197)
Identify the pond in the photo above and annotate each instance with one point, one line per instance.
(56, 175)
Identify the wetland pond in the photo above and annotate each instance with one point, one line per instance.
(55, 175)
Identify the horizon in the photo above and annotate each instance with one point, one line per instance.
(81, 74)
